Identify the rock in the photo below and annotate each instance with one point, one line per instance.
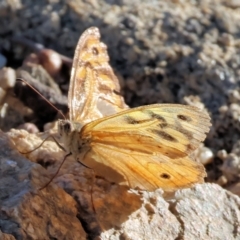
(7, 78)
(27, 212)
(7, 81)
(204, 155)
(30, 127)
(152, 220)
(231, 161)
(9, 116)
(5, 236)
(120, 213)
(192, 214)
(203, 209)
(233, 3)
(40, 107)
(234, 188)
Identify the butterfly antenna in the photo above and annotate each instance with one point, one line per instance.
(35, 90)
(56, 173)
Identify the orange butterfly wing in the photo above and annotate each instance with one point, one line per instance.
(148, 147)
(94, 88)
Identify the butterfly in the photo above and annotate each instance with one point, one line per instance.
(147, 147)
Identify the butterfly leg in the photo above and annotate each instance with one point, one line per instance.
(50, 136)
(58, 144)
(84, 164)
(69, 154)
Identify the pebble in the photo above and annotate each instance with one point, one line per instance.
(7, 78)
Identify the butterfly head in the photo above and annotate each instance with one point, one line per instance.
(70, 133)
(64, 127)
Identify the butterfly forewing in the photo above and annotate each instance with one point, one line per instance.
(93, 90)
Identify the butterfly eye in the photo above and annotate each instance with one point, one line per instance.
(67, 127)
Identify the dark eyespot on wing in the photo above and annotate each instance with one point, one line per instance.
(164, 135)
(184, 118)
(155, 116)
(95, 51)
(165, 176)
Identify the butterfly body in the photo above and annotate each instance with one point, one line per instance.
(147, 147)
(73, 143)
